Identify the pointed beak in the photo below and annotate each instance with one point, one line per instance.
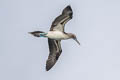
(77, 41)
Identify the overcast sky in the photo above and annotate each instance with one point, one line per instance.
(95, 22)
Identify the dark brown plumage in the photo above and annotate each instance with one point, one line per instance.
(36, 33)
(62, 19)
(55, 51)
(55, 35)
(54, 45)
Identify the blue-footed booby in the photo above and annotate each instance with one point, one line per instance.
(55, 35)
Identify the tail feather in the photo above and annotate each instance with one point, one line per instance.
(38, 33)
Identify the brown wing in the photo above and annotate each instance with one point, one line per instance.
(55, 51)
(60, 21)
(54, 45)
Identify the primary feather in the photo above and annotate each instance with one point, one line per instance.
(60, 21)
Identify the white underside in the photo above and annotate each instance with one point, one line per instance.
(57, 35)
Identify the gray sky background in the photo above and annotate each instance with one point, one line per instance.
(95, 22)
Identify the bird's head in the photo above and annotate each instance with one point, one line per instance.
(73, 36)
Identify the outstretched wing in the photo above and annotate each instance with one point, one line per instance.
(54, 45)
(60, 21)
(54, 53)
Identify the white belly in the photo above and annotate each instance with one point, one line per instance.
(56, 35)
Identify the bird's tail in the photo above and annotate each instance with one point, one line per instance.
(38, 33)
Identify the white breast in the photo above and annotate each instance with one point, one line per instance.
(58, 35)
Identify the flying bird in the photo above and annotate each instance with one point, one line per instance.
(55, 35)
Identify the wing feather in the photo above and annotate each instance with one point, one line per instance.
(60, 21)
(54, 45)
(55, 51)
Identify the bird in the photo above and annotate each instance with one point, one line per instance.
(55, 35)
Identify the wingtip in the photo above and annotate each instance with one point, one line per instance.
(68, 11)
(49, 64)
(69, 7)
(48, 68)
